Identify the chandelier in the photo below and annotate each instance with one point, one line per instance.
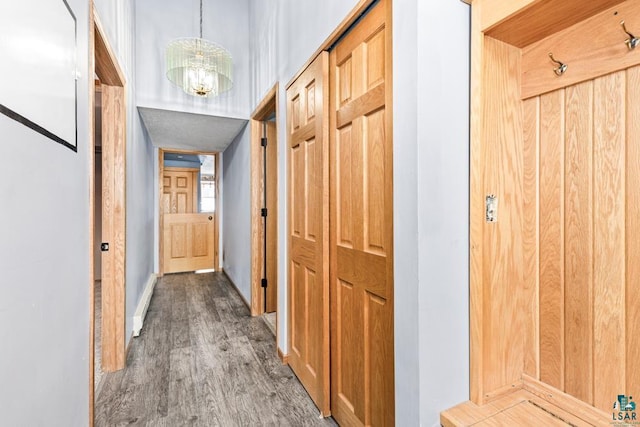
(199, 67)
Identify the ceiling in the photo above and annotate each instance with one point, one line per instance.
(188, 131)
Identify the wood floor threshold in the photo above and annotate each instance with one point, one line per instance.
(521, 407)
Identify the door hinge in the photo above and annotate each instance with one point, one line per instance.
(263, 212)
(263, 142)
(264, 283)
(104, 247)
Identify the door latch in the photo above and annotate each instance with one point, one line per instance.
(491, 213)
(104, 247)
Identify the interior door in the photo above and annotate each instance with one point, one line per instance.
(189, 236)
(308, 230)
(362, 377)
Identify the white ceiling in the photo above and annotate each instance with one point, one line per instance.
(188, 131)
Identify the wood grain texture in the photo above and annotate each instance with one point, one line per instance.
(268, 107)
(609, 238)
(503, 271)
(607, 51)
(529, 21)
(362, 238)
(578, 238)
(202, 360)
(552, 238)
(476, 209)
(308, 204)
(531, 237)
(113, 227)
(632, 293)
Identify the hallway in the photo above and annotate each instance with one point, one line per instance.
(202, 360)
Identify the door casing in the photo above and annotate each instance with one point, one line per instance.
(104, 64)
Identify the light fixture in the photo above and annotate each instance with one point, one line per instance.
(199, 67)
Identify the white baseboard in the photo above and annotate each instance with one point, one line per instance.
(143, 305)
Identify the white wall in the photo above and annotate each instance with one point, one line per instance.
(44, 259)
(430, 177)
(160, 21)
(236, 219)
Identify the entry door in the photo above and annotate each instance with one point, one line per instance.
(308, 230)
(362, 378)
(189, 236)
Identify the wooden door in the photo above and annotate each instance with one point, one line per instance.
(362, 377)
(308, 230)
(272, 218)
(189, 236)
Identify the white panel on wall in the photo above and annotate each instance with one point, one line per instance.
(38, 84)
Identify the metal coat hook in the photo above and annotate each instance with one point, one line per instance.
(562, 67)
(632, 42)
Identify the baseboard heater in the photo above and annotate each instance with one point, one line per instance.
(143, 305)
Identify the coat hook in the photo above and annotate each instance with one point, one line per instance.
(632, 41)
(561, 66)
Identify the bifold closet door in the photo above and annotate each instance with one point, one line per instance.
(308, 151)
(361, 252)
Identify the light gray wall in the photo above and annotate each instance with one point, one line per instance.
(160, 21)
(119, 19)
(430, 177)
(431, 149)
(236, 219)
(44, 259)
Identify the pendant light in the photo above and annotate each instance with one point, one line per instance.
(199, 67)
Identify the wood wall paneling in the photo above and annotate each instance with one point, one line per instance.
(578, 238)
(503, 273)
(531, 237)
(551, 239)
(632, 292)
(609, 237)
(587, 53)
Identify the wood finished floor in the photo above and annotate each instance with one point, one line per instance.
(201, 360)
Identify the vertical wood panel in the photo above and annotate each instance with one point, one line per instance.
(530, 240)
(633, 232)
(609, 238)
(374, 156)
(578, 243)
(551, 239)
(343, 162)
(503, 352)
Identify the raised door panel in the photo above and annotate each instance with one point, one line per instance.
(362, 379)
(189, 242)
(308, 231)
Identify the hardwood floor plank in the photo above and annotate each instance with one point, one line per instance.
(202, 360)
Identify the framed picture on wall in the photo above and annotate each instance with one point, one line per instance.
(38, 70)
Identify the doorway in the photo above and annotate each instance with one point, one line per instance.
(189, 206)
(112, 207)
(264, 210)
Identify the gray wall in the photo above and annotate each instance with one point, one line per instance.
(160, 21)
(44, 258)
(45, 253)
(236, 219)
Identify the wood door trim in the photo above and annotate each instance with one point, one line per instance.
(266, 107)
(104, 64)
(161, 169)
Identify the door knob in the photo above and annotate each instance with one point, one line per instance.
(210, 217)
